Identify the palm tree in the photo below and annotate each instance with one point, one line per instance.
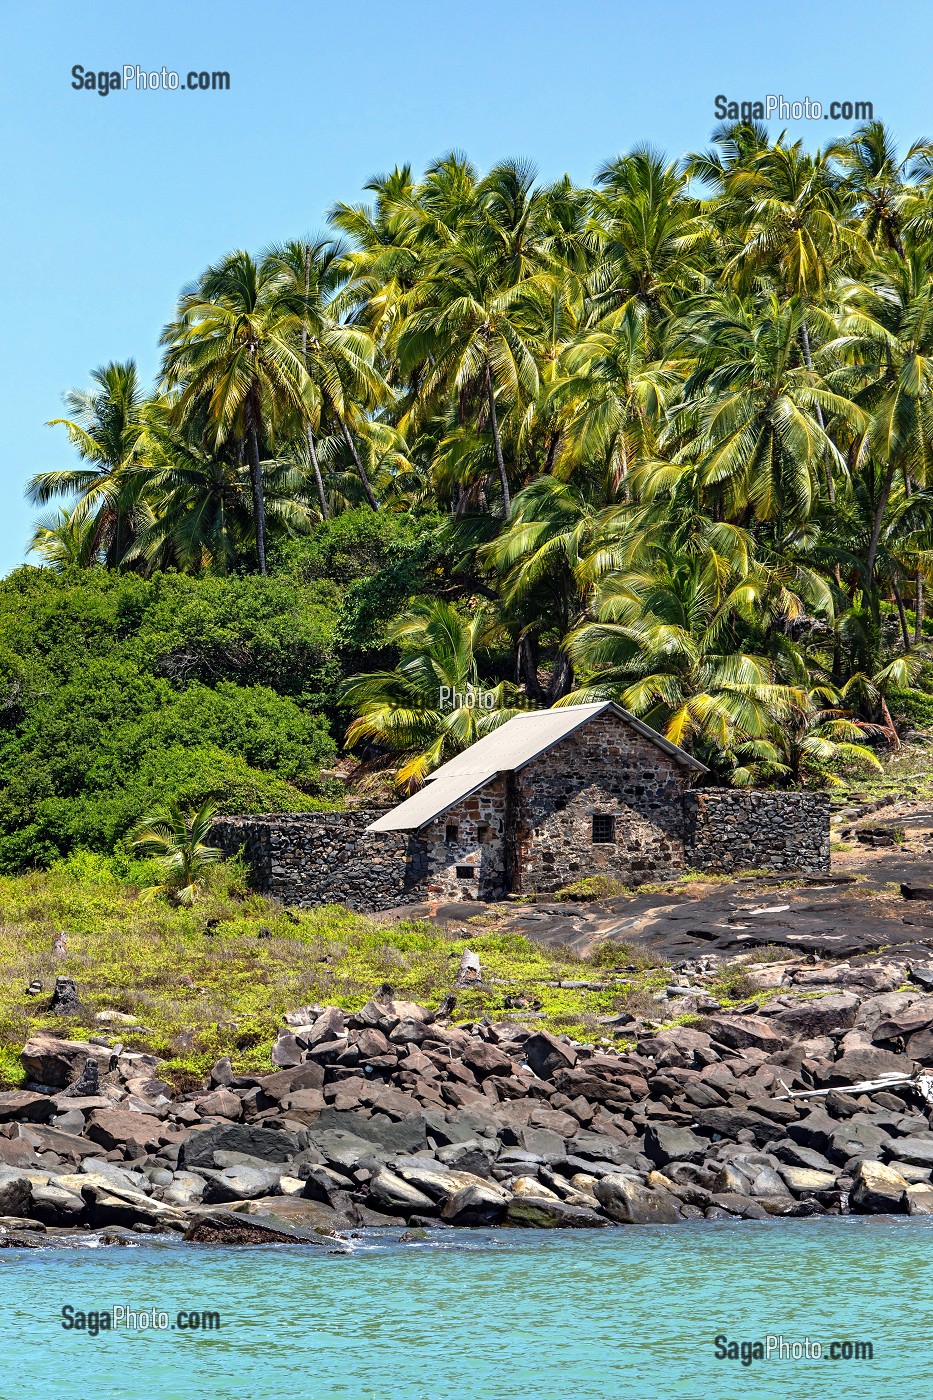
(432, 705)
(107, 425)
(234, 352)
(65, 538)
(177, 840)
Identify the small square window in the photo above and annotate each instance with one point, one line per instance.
(481, 833)
(466, 872)
(604, 829)
(451, 834)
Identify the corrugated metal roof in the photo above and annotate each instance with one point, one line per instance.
(506, 750)
(430, 801)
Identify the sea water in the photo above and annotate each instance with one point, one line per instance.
(627, 1314)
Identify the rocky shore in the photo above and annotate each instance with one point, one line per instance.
(394, 1116)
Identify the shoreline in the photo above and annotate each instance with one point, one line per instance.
(393, 1116)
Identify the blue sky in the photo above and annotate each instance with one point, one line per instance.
(113, 203)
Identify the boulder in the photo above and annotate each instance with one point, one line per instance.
(239, 1183)
(270, 1144)
(857, 1065)
(24, 1107)
(627, 1201)
(855, 1138)
(916, 1150)
(803, 1180)
(15, 1192)
(665, 1142)
(53, 1205)
(288, 1081)
(919, 1200)
(112, 1127)
(396, 1196)
(878, 1190)
(484, 1059)
(744, 1032)
(221, 1226)
(475, 1205)
(221, 1103)
(442, 1183)
(803, 1018)
(47, 1059)
(548, 1213)
(547, 1055)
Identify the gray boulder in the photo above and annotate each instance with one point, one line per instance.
(627, 1201)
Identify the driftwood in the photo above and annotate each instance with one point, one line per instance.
(918, 1080)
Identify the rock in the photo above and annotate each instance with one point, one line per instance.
(222, 1073)
(814, 1130)
(441, 1184)
(65, 1000)
(878, 1190)
(15, 1192)
(287, 1081)
(919, 1200)
(806, 1018)
(220, 1103)
(115, 1018)
(87, 1084)
(58, 1063)
(484, 1059)
(232, 1227)
(53, 1205)
(736, 1203)
(626, 1200)
(857, 1139)
(547, 1055)
(286, 1052)
(187, 1189)
(802, 1180)
(111, 1127)
(393, 1194)
(664, 1142)
(857, 1065)
(548, 1213)
(331, 1024)
(270, 1144)
(531, 1186)
(743, 1032)
(482, 1204)
(916, 1150)
(239, 1183)
(795, 1155)
(21, 1106)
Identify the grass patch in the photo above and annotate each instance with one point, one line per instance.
(198, 997)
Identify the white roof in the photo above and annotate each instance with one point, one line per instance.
(506, 750)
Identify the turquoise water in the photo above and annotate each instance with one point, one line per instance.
(485, 1315)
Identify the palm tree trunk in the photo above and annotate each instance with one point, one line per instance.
(905, 635)
(561, 681)
(876, 527)
(325, 513)
(500, 461)
(359, 465)
(808, 361)
(259, 498)
(918, 609)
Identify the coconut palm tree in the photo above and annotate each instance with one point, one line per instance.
(107, 425)
(234, 353)
(178, 841)
(432, 705)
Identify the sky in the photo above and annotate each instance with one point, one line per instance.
(113, 203)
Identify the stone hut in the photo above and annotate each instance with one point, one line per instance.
(550, 797)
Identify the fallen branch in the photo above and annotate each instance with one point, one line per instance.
(918, 1080)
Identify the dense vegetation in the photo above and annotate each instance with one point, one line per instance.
(666, 439)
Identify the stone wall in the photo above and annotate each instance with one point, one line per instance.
(727, 829)
(479, 847)
(327, 858)
(605, 768)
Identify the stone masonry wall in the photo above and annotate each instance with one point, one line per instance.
(606, 767)
(728, 830)
(479, 847)
(327, 858)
